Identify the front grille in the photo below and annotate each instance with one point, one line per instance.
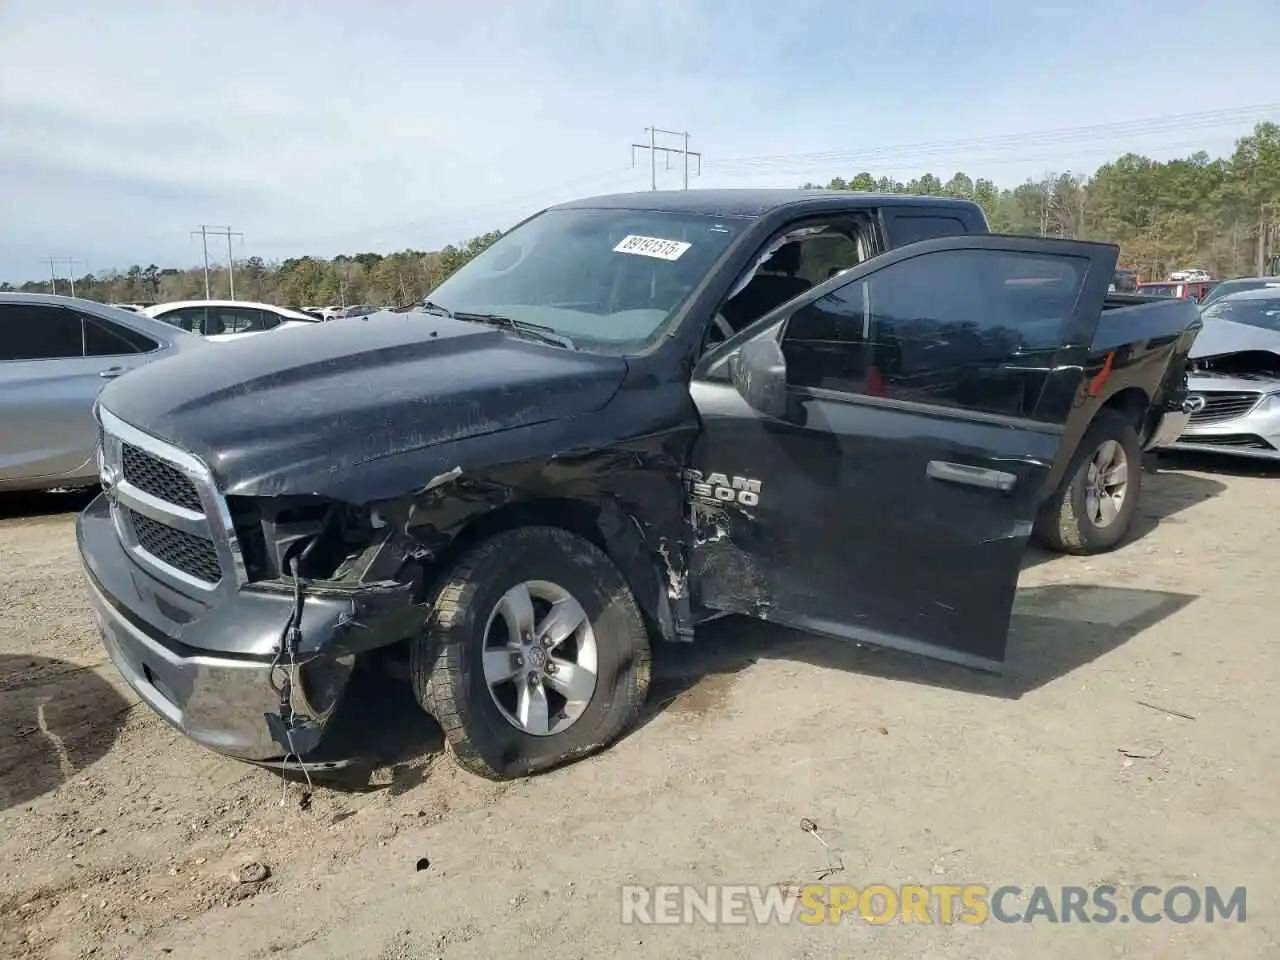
(163, 481)
(167, 509)
(1222, 406)
(1247, 441)
(183, 551)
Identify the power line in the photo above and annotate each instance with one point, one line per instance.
(205, 232)
(1057, 136)
(654, 150)
(881, 157)
(895, 164)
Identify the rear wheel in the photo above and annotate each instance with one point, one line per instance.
(1092, 509)
(535, 654)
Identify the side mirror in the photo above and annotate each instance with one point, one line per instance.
(759, 374)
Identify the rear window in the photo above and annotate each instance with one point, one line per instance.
(912, 229)
(1030, 271)
(105, 339)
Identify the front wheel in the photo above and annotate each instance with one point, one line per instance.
(1091, 511)
(535, 654)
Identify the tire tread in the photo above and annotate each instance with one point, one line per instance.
(1058, 527)
(436, 661)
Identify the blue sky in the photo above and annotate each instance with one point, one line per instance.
(337, 127)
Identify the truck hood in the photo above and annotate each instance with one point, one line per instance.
(302, 409)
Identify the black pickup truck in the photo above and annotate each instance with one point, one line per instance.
(842, 412)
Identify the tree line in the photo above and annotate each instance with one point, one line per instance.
(397, 279)
(1222, 215)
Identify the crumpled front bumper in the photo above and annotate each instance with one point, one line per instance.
(208, 675)
(1171, 426)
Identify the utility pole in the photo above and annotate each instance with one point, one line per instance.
(205, 232)
(71, 272)
(204, 245)
(231, 262)
(654, 150)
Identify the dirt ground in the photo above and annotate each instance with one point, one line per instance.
(118, 838)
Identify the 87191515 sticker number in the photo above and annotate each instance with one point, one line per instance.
(655, 247)
(722, 488)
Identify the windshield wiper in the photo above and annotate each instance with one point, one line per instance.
(535, 330)
(430, 307)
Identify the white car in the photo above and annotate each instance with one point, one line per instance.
(227, 319)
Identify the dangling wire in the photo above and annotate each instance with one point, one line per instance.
(286, 659)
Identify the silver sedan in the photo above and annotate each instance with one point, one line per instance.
(1234, 384)
(56, 354)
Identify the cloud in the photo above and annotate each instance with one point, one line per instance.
(331, 127)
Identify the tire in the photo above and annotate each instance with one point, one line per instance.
(1065, 523)
(447, 662)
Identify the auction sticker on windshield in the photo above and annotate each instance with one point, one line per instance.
(652, 247)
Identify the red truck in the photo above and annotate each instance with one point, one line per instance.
(1180, 289)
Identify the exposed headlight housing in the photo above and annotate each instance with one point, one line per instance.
(323, 534)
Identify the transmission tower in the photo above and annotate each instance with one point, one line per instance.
(654, 149)
(205, 232)
(71, 272)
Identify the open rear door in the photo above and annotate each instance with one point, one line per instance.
(893, 499)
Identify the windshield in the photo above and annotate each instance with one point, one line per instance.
(609, 280)
(1264, 313)
(1239, 286)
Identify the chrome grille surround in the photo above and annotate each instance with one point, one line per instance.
(1223, 405)
(206, 518)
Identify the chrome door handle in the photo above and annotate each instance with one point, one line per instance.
(111, 372)
(971, 476)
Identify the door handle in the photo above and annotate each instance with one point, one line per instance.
(982, 477)
(111, 372)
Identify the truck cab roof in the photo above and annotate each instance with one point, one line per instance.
(752, 203)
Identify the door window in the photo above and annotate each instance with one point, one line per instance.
(793, 263)
(102, 338)
(39, 332)
(960, 328)
(910, 228)
(190, 319)
(237, 320)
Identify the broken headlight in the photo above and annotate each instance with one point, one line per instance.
(1269, 404)
(323, 535)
